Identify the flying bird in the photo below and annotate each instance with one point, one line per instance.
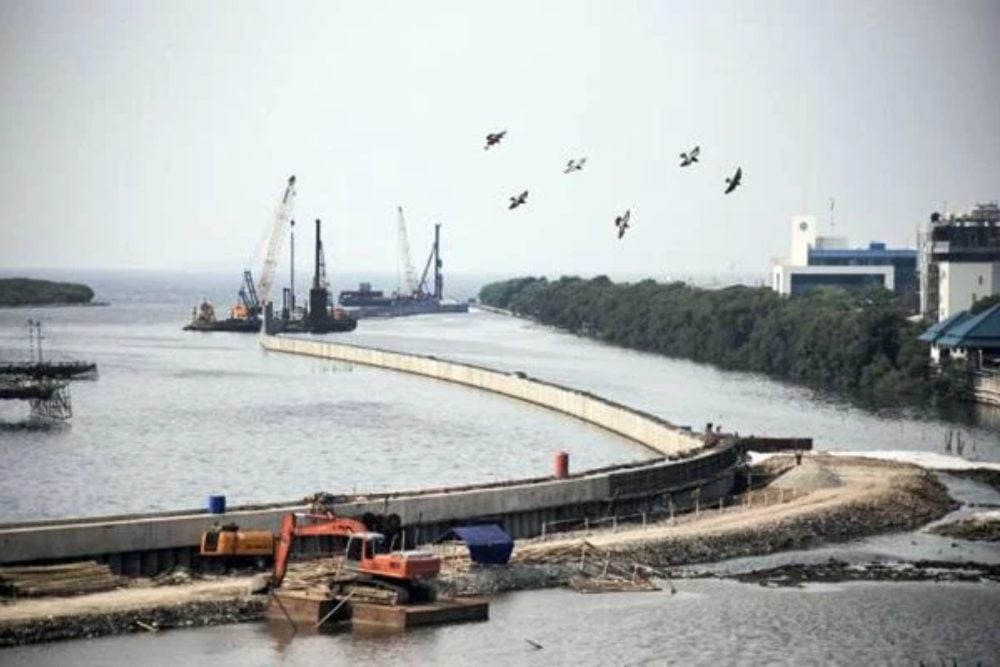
(687, 159)
(621, 222)
(493, 138)
(518, 200)
(574, 165)
(734, 182)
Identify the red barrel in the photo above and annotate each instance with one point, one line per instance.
(562, 465)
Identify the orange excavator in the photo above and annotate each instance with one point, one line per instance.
(367, 555)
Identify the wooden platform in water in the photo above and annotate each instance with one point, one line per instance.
(400, 617)
(306, 609)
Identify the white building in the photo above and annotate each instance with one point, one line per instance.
(828, 261)
(960, 261)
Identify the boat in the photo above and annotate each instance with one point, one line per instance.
(414, 298)
(320, 317)
(240, 320)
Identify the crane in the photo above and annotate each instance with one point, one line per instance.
(275, 237)
(407, 276)
(435, 257)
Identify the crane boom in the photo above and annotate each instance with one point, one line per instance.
(408, 278)
(276, 236)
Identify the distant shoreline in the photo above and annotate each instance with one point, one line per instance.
(64, 304)
(32, 292)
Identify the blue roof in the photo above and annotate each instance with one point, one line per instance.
(488, 543)
(978, 331)
(936, 331)
(862, 253)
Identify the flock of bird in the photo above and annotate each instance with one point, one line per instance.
(621, 221)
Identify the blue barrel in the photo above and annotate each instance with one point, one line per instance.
(216, 504)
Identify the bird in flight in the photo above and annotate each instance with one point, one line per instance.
(574, 165)
(734, 182)
(518, 200)
(493, 138)
(687, 159)
(621, 222)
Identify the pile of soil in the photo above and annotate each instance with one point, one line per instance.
(488, 580)
(810, 476)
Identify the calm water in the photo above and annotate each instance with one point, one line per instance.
(705, 623)
(177, 415)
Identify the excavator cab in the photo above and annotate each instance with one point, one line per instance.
(364, 547)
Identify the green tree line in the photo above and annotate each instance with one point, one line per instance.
(861, 343)
(28, 292)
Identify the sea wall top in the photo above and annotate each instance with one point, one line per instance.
(657, 434)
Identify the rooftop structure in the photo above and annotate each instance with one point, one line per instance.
(959, 260)
(967, 336)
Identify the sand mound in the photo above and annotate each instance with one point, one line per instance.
(810, 476)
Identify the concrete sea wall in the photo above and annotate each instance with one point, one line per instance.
(688, 471)
(649, 430)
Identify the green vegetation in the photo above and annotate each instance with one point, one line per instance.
(859, 343)
(28, 292)
(984, 303)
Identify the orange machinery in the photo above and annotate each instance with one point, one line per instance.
(229, 543)
(367, 553)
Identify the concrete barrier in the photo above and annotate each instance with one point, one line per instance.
(688, 471)
(653, 432)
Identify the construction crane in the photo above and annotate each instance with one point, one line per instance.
(275, 237)
(407, 276)
(435, 257)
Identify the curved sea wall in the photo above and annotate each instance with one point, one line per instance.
(657, 434)
(688, 471)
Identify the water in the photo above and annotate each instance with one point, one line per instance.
(682, 391)
(177, 415)
(706, 623)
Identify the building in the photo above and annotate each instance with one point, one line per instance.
(959, 261)
(975, 340)
(828, 261)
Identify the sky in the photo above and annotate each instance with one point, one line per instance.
(159, 134)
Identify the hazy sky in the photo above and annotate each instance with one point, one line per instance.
(160, 134)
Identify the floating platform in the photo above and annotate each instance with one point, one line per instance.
(307, 609)
(440, 612)
(232, 324)
(39, 370)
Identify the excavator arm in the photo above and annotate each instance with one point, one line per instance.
(322, 524)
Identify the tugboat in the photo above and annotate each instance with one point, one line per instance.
(245, 316)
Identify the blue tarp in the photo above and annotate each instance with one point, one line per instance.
(488, 543)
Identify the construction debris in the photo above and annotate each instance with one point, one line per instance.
(65, 579)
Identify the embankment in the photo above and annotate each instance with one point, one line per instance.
(142, 608)
(841, 499)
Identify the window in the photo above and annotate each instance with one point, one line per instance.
(980, 281)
